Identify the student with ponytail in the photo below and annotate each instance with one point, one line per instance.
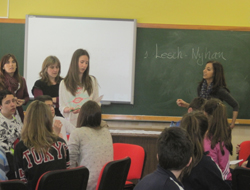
(218, 137)
(203, 173)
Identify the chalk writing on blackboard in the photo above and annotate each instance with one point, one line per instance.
(195, 53)
(168, 55)
(206, 55)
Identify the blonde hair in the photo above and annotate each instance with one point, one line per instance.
(37, 130)
(50, 60)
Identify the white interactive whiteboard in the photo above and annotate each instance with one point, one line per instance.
(111, 44)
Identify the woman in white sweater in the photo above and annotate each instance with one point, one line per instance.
(90, 144)
(77, 87)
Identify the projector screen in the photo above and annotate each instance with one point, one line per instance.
(111, 44)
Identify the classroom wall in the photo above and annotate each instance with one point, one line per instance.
(190, 12)
(186, 12)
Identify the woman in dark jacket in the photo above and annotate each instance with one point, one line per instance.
(213, 85)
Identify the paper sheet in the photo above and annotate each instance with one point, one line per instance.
(235, 161)
(98, 100)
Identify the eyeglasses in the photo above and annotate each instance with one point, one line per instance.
(51, 106)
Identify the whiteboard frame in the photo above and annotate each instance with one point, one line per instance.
(129, 99)
(7, 11)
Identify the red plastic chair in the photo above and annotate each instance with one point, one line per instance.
(244, 151)
(137, 155)
(74, 178)
(113, 175)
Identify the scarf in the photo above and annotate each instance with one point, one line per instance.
(11, 83)
(205, 91)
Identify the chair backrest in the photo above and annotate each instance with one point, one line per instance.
(113, 175)
(12, 184)
(137, 155)
(74, 178)
(241, 178)
(244, 151)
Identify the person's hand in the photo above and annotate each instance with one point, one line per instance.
(71, 109)
(57, 126)
(54, 100)
(237, 148)
(232, 125)
(181, 103)
(244, 164)
(19, 102)
(76, 110)
(68, 109)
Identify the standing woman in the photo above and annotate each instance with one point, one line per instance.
(12, 81)
(213, 85)
(218, 137)
(40, 150)
(77, 87)
(49, 82)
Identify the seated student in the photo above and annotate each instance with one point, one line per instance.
(4, 166)
(195, 105)
(217, 140)
(39, 150)
(175, 151)
(60, 125)
(90, 144)
(203, 173)
(10, 127)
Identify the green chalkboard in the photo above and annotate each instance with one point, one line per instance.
(12, 41)
(169, 65)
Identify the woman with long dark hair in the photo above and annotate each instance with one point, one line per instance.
(11, 80)
(77, 87)
(213, 85)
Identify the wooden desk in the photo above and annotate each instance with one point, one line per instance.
(147, 141)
